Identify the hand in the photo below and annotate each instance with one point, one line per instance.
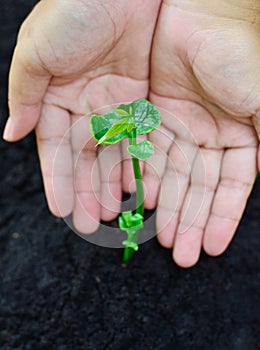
(205, 70)
(73, 57)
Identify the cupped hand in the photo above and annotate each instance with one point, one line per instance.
(72, 58)
(75, 57)
(205, 76)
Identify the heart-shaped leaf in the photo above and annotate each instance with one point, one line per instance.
(146, 117)
(142, 150)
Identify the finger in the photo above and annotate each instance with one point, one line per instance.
(109, 159)
(173, 189)
(196, 207)
(28, 81)
(154, 167)
(236, 181)
(86, 214)
(53, 140)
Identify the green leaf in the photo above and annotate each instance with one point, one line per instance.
(99, 126)
(146, 116)
(142, 150)
(128, 221)
(127, 217)
(117, 129)
(116, 125)
(131, 223)
(131, 219)
(125, 108)
(121, 112)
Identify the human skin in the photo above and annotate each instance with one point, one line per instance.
(71, 58)
(204, 69)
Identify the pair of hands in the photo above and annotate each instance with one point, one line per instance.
(200, 65)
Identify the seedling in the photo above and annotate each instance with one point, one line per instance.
(128, 121)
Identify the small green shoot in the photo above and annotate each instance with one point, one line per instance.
(129, 120)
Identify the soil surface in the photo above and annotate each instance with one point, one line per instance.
(58, 291)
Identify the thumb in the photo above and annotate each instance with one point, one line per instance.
(28, 81)
(256, 122)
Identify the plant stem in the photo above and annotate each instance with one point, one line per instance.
(138, 177)
(128, 252)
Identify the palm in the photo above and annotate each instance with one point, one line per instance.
(209, 142)
(85, 76)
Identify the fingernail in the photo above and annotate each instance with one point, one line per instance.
(8, 131)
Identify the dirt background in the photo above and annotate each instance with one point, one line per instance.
(60, 292)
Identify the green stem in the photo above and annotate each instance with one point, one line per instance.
(138, 177)
(128, 252)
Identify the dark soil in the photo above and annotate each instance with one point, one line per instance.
(60, 292)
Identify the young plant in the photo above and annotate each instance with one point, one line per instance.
(128, 121)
